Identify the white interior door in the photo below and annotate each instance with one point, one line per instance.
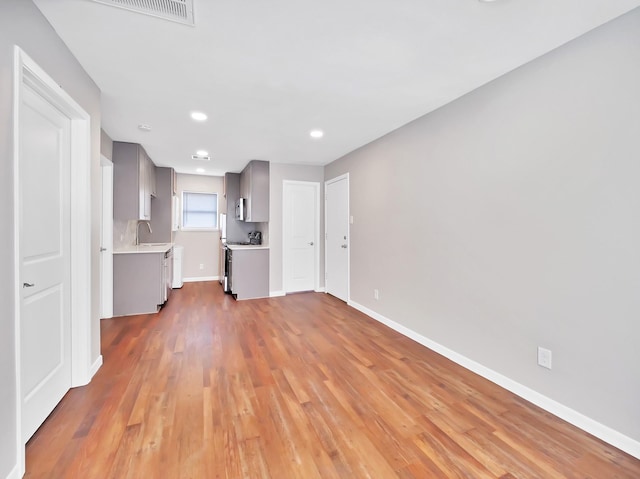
(301, 202)
(45, 268)
(106, 240)
(337, 237)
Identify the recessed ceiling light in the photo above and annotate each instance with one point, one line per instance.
(200, 170)
(316, 133)
(144, 127)
(202, 153)
(198, 116)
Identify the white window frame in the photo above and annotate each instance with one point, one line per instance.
(181, 209)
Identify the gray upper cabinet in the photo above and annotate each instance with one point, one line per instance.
(161, 209)
(254, 187)
(134, 182)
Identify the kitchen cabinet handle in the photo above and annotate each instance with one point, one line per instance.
(28, 285)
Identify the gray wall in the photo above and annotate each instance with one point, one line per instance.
(21, 23)
(510, 219)
(278, 173)
(106, 145)
(200, 247)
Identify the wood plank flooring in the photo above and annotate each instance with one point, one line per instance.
(296, 387)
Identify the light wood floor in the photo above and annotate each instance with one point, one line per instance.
(296, 387)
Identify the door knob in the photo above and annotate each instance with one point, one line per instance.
(343, 246)
(311, 244)
(103, 249)
(28, 285)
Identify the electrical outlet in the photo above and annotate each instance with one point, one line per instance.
(201, 265)
(544, 357)
(376, 294)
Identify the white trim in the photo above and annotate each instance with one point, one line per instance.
(316, 234)
(17, 306)
(97, 364)
(344, 176)
(319, 290)
(200, 278)
(611, 436)
(276, 294)
(106, 238)
(15, 473)
(27, 72)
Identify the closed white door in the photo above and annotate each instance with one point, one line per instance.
(337, 237)
(301, 201)
(44, 245)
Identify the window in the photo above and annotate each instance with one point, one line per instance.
(199, 211)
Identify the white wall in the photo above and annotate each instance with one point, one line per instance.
(21, 23)
(510, 218)
(277, 174)
(200, 247)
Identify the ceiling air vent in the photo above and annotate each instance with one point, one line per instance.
(175, 10)
(200, 157)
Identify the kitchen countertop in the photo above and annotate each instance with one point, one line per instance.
(144, 248)
(233, 247)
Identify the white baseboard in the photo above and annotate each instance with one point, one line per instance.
(276, 294)
(95, 366)
(200, 278)
(611, 436)
(15, 473)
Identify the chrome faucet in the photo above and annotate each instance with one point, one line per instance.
(138, 230)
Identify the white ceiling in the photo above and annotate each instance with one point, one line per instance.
(267, 72)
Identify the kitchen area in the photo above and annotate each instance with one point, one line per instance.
(153, 251)
(244, 257)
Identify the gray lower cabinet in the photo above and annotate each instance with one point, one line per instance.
(249, 273)
(138, 286)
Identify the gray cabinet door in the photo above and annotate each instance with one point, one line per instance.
(132, 182)
(137, 283)
(250, 273)
(143, 186)
(256, 189)
(126, 182)
(161, 209)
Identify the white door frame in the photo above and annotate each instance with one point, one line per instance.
(106, 238)
(27, 72)
(326, 249)
(316, 239)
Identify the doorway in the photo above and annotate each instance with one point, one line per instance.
(301, 243)
(337, 237)
(52, 247)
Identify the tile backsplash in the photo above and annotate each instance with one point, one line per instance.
(124, 233)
